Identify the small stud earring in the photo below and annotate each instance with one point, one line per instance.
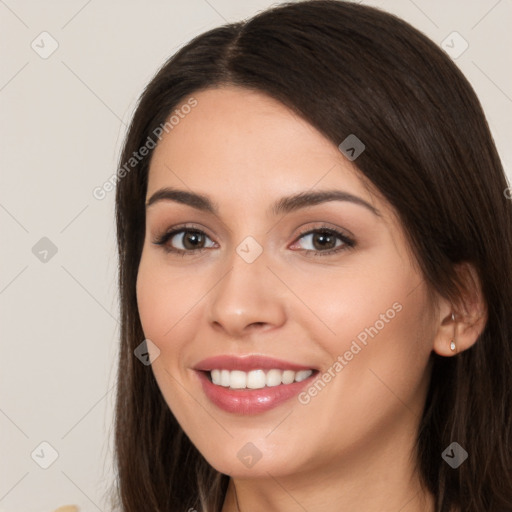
(452, 343)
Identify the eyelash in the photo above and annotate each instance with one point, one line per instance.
(162, 240)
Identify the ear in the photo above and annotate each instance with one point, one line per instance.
(469, 315)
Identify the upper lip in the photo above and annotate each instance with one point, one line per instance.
(247, 363)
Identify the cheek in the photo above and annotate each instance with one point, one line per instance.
(151, 299)
(373, 323)
(164, 298)
(344, 303)
(380, 354)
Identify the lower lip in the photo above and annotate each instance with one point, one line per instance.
(250, 401)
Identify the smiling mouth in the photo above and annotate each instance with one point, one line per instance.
(256, 379)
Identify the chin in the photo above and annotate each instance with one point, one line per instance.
(248, 461)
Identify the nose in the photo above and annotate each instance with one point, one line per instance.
(248, 297)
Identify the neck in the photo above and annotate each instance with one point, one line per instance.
(277, 498)
(384, 483)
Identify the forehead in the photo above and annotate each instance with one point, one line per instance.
(239, 142)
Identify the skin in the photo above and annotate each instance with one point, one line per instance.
(353, 443)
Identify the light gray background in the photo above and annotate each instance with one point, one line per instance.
(63, 122)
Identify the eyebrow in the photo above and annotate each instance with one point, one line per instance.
(284, 205)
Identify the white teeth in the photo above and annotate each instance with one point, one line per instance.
(215, 375)
(238, 379)
(224, 378)
(257, 379)
(274, 377)
(303, 374)
(288, 376)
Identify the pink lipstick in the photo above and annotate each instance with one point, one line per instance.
(251, 384)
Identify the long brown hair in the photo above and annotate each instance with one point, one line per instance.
(346, 69)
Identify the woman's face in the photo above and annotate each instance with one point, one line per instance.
(254, 273)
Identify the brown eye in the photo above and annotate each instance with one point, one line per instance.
(191, 240)
(184, 241)
(323, 240)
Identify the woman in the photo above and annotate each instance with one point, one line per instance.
(314, 275)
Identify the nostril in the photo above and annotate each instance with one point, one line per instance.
(257, 325)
